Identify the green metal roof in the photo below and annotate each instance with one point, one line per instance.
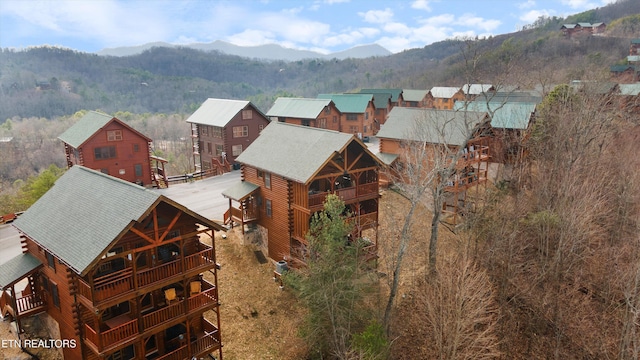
(349, 103)
(302, 108)
(84, 129)
(294, 152)
(387, 158)
(16, 269)
(218, 112)
(630, 89)
(444, 92)
(430, 125)
(240, 190)
(414, 95)
(85, 212)
(510, 115)
(395, 93)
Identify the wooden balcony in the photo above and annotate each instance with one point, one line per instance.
(348, 195)
(25, 305)
(122, 282)
(204, 343)
(240, 215)
(160, 316)
(117, 334)
(365, 221)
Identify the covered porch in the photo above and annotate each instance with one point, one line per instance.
(20, 303)
(245, 195)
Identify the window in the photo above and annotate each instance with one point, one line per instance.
(136, 147)
(267, 180)
(260, 174)
(216, 132)
(352, 116)
(55, 296)
(260, 127)
(304, 122)
(204, 130)
(137, 169)
(105, 152)
(322, 123)
(114, 135)
(240, 131)
(327, 110)
(268, 207)
(51, 261)
(247, 114)
(335, 119)
(236, 150)
(209, 148)
(219, 149)
(366, 115)
(353, 129)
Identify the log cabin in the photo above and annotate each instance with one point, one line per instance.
(357, 113)
(445, 97)
(286, 176)
(397, 99)
(105, 143)
(510, 122)
(445, 135)
(417, 98)
(117, 268)
(317, 113)
(221, 129)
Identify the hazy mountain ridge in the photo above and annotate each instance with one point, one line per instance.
(262, 52)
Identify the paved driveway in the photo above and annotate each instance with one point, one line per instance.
(204, 196)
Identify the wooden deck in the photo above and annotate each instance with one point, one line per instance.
(348, 195)
(123, 327)
(123, 282)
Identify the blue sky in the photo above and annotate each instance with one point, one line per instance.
(319, 25)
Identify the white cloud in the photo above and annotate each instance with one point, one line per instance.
(377, 16)
(421, 5)
(527, 4)
(531, 16)
(440, 20)
(470, 20)
(580, 4)
(252, 38)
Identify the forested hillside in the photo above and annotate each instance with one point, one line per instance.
(48, 81)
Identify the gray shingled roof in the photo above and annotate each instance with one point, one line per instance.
(85, 212)
(414, 95)
(444, 92)
(295, 152)
(16, 268)
(395, 93)
(301, 108)
(240, 190)
(629, 89)
(430, 125)
(218, 112)
(84, 129)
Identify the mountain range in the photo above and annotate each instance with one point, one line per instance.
(269, 52)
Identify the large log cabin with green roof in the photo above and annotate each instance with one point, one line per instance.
(286, 176)
(357, 113)
(117, 267)
(105, 143)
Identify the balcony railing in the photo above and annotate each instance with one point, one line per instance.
(346, 194)
(28, 303)
(209, 341)
(112, 336)
(177, 354)
(159, 316)
(120, 282)
(204, 298)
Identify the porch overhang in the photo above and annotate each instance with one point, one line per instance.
(387, 158)
(240, 191)
(17, 269)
